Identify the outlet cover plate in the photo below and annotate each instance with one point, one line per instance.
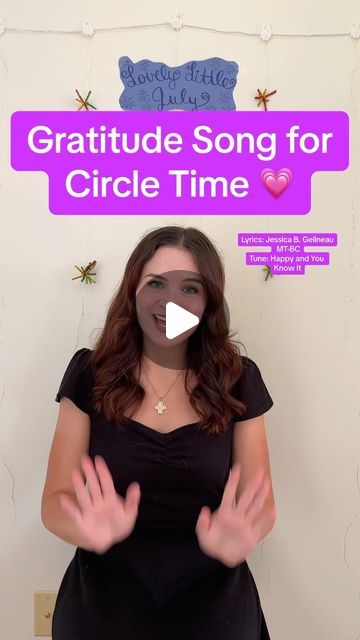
(44, 605)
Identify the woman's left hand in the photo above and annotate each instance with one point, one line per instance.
(232, 531)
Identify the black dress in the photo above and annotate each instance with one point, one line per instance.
(158, 583)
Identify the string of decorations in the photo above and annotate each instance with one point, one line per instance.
(177, 23)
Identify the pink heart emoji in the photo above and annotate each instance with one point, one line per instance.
(276, 183)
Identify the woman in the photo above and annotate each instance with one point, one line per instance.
(168, 436)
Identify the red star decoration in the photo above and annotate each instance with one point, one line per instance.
(263, 97)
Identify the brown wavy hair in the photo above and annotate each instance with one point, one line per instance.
(211, 352)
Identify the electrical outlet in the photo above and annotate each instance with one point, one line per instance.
(44, 605)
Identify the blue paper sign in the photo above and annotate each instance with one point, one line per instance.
(193, 86)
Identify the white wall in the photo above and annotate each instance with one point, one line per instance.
(303, 332)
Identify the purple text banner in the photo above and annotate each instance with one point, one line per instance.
(178, 162)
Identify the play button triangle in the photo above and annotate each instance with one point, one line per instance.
(178, 320)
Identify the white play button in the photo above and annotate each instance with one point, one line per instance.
(178, 320)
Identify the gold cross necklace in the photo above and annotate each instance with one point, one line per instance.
(160, 406)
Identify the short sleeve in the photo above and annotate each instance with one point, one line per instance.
(77, 381)
(252, 391)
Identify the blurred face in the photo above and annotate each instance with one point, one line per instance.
(171, 275)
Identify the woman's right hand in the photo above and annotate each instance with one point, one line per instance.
(104, 517)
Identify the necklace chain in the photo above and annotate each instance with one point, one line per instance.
(160, 406)
(171, 386)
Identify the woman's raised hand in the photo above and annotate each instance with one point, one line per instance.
(232, 531)
(104, 517)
